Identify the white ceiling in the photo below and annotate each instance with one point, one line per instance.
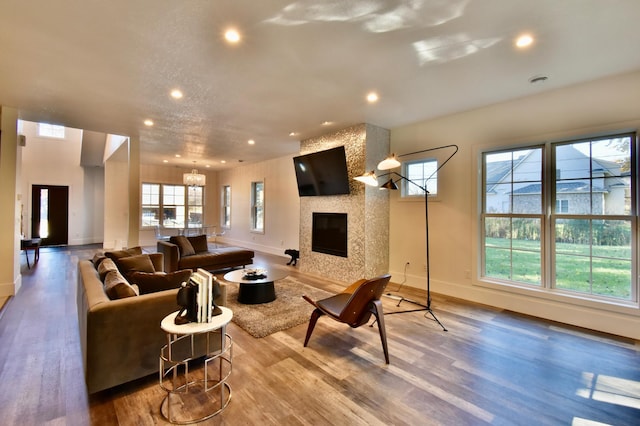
(106, 66)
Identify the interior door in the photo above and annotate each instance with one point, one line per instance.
(50, 214)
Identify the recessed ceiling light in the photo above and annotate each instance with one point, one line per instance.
(208, 165)
(232, 35)
(165, 161)
(148, 122)
(327, 123)
(525, 40)
(223, 161)
(251, 142)
(293, 134)
(176, 94)
(372, 97)
(178, 155)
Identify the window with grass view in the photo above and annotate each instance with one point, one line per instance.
(559, 217)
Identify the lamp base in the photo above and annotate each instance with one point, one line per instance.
(426, 308)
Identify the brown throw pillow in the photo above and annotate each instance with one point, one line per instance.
(150, 283)
(139, 263)
(158, 261)
(199, 243)
(184, 245)
(106, 266)
(117, 287)
(118, 254)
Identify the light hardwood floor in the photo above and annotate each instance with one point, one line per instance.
(491, 367)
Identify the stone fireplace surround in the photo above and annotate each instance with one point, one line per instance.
(367, 208)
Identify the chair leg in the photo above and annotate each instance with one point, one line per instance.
(377, 311)
(317, 313)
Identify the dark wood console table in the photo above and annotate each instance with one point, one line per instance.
(31, 244)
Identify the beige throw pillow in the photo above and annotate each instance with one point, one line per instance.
(105, 266)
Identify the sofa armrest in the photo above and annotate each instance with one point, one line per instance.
(171, 255)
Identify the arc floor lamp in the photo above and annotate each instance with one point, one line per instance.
(370, 178)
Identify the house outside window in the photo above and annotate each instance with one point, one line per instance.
(583, 245)
(172, 206)
(257, 206)
(422, 172)
(562, 206)
(226, 206)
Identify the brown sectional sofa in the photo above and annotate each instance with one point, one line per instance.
(193, 252)
(121, 339)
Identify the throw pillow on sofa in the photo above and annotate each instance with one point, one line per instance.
(199, 243)
(184, 245)
(117, 287)
(106, 266)
(117, 254)
(140, 263)
(159, 281)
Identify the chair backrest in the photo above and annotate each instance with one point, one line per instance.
(357, 310)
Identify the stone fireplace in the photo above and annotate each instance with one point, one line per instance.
(366, 209)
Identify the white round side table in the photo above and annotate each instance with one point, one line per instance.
(186, 391)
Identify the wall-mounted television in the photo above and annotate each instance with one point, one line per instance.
(322, 173)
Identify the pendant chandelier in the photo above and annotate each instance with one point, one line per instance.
(194, 178)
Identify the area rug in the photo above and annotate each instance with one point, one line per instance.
(288, 310)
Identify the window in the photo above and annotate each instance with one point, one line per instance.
(172, 206)
(50, 130)
(257, 206)
(583, 245)
(226, 206)
(195, 206)
(423, 173)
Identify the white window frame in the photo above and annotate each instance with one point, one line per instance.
(429, 175)
(225, 207)
(257, 206)
(549, 217)
(55, 131)
(160, 207)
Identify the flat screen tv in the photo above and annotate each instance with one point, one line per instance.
(322, 173)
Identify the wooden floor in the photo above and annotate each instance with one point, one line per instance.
(491, 367)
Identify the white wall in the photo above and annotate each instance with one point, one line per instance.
(48, 161)
(282, 205)
(606, 105)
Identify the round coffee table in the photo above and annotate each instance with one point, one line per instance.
(256, 290)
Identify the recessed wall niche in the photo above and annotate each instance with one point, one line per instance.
(367, 209)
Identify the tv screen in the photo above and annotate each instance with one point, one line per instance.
(322, 173)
